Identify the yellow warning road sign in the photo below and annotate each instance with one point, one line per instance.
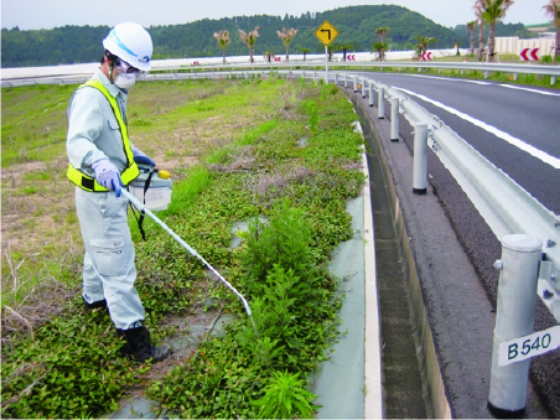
(326, 33)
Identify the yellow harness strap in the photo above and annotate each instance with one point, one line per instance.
(129, 173)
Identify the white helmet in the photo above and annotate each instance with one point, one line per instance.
(131, 43)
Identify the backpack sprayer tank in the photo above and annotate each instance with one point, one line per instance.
(152, 187)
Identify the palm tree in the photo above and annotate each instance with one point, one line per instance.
(223, 40)
(552, 10)
(381, 34)
(344, 48)
(492, 11)
(268, 55)
(458, 53)
(423, 43)
(480, 20)
(304, 51)
(380, 48)
(250, 39)
(471, 27)
(287, 36)
(417, 53)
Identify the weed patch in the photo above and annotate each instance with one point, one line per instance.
(228, 166)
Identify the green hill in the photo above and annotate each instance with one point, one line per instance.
(356, 24)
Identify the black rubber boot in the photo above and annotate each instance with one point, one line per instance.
(94, 305)
(139, 347)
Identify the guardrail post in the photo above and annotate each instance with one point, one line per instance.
(552, 80)
(336, 78)
(355, 84)
(381, 104)
(315, 76)
(515, 77)
(363, 87)
(486, 75)
(303, 75)
(394, 119)
(346, 80)
(371, 96)
(515, 316)
(420, 163)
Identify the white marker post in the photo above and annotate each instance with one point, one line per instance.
(420, 160)
(394, 119)
(515, 316)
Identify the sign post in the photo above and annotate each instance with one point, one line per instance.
(326, 34)
(515, 316)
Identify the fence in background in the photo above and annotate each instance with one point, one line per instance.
(67, 74)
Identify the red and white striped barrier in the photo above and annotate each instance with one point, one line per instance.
(529, 54)
(426, 56)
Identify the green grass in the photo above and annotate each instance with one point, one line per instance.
(71, 366)
(164, 122)
(33, 130)
(199, 179)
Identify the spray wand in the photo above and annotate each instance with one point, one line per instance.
(141, 207)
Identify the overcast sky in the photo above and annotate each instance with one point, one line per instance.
(37, 14)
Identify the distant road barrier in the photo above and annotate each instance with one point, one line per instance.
(59, 76)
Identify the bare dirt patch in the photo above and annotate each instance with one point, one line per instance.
(40, 227)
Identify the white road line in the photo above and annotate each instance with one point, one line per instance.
(542, 92)
(476, 82)
(449, 79)
(514, 141)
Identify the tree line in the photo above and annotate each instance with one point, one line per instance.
(357, 25)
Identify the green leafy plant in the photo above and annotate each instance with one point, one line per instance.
(286, 398)
(283, 241)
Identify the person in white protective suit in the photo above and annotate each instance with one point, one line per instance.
(102, 161)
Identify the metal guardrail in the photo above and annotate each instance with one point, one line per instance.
(504, 204)
(506, 207)
(515, 69)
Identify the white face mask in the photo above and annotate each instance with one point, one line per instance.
(126, 80)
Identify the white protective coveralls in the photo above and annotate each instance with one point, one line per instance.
(109, 271)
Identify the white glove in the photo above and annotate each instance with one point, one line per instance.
(107, 175)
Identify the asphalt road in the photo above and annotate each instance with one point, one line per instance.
(531, 115)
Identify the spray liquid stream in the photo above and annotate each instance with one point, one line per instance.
(141, 207)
